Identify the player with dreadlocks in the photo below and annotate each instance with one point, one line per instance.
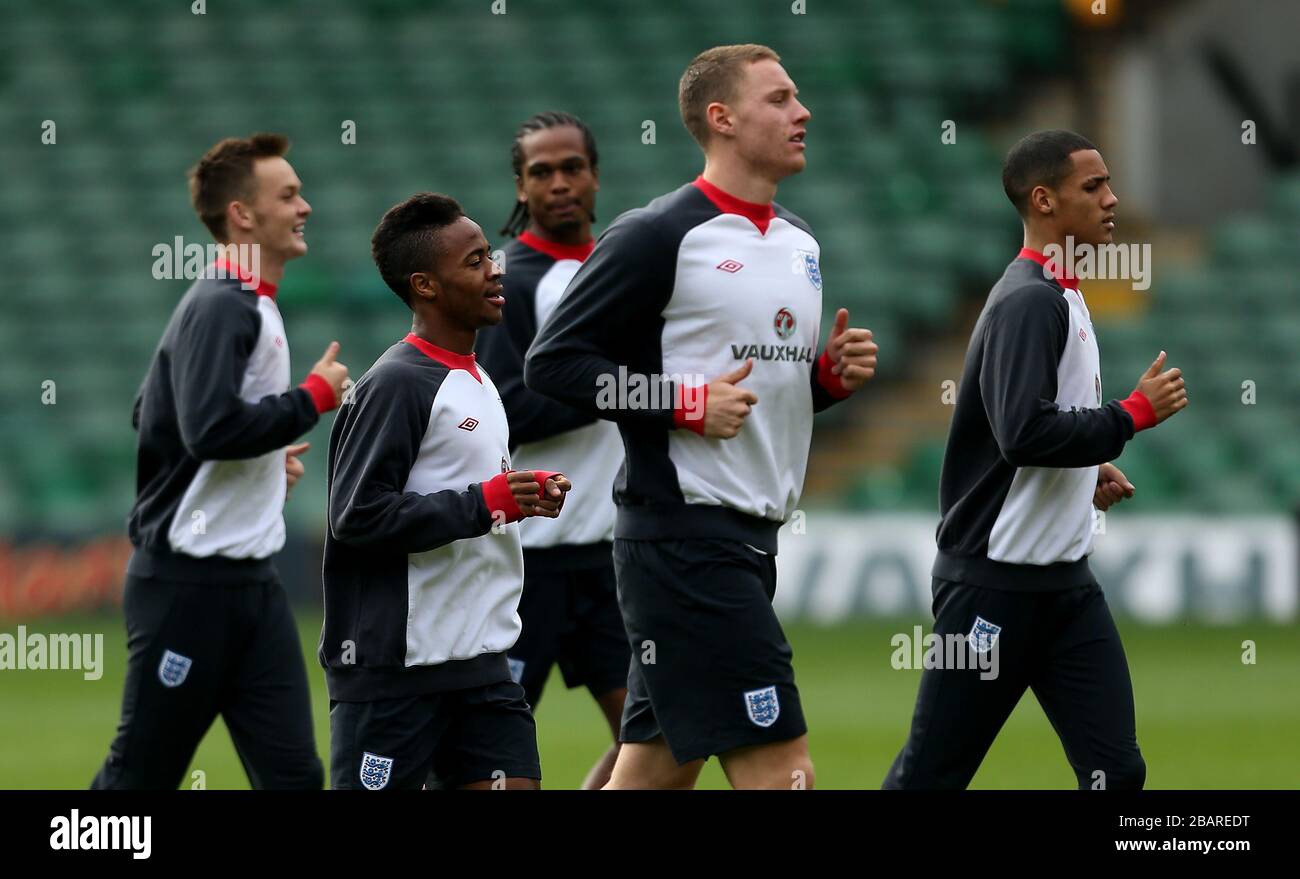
(569, 608)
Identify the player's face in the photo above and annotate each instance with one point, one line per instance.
(769, 120)
(1086, 203)
(470, 282)
(277, 209)
(557, 182)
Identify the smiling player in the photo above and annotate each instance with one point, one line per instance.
(215, 416)
(423, 568)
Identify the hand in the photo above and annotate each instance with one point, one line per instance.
(1112, 487)
(1166, 390)
(293, 468)
(727, 405)
(332, 371)
(852, 352)
(527, 493)
(553, 493)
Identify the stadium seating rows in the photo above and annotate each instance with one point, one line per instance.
(911, 227)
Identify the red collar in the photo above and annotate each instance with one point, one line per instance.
(555, 250)
(450, 359)
(758, 214)
(1058, 273)
(227, 268)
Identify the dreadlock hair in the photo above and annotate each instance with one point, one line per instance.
(547, 119)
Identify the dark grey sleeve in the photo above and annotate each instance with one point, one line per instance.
(215, 336)
(607, 319)
(1024, 337)
(501, 350)
(373, 446)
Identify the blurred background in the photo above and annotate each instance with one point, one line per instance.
(1195, 105)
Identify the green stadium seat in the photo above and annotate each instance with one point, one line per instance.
(913, 231)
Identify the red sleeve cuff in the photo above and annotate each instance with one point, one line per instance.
(688, 408)
(829, 381)
(1139, 407)
(321, 393)
(498, 497)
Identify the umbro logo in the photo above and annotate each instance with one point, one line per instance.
(730, 265)
(468, 424)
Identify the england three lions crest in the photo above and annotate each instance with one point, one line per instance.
(983, 635)
(762, 706)
(375, 771)
(806, 261)
(173, 669)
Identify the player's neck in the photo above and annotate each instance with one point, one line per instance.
(734, 178)
(269, 267)
(578, 237)
(272, 270)
(1041, 239)
(435, 332)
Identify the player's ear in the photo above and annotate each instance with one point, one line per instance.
(238, 216)
(718, 117)
(425, 286)
(519, 190)
(1041, 200)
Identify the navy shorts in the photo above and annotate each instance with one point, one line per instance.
(462, 736)
(711, 667)
(571, 619)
